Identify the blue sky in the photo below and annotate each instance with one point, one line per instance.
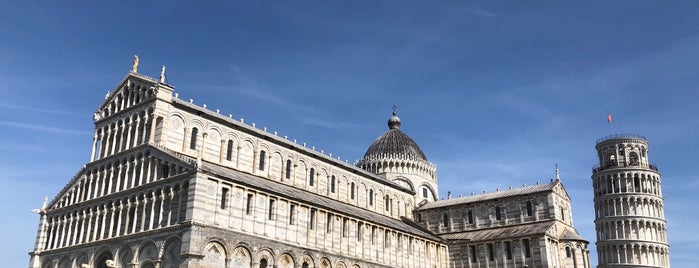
(495, 92)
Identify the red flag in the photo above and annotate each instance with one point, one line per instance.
(609, 118)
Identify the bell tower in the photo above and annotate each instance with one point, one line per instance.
(629, 215)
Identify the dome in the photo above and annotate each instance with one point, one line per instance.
(394, 142)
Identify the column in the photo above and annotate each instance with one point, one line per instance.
(144, 127)
(135, 215)
(129, 128)
(169, 210)
(132, 173)
(126, 217)
(83, 217)
(119, 169)
(113, 137)
(138, 133)
(51, 233)
(152, 211)
(155, 165)
(111, 221)
(111, 179)
(222, 151)
(103, 230)
(162, 201)
(64, 226)
(140, 169)
(121, 215)
(94, 143)
(144, 211)
(89, 226)
(148, 164)
(185, 144)
(107, 142)
(152, 123)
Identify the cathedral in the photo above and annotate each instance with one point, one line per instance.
(174, 184)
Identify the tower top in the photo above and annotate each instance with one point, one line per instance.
(394, 121)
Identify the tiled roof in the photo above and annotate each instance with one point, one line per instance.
(572, 234)
(286, 143)
(508, 232)
(335, 206)
(488, 196)
(394, 142)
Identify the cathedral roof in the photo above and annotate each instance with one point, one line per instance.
(492, 195)
(505, 232)
(569, 234)
(394, 143)
(318, 200)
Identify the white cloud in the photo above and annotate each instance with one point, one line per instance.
(43, 128)
(482, 12)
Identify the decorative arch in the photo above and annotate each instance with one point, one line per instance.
(170, 256)
(246, 155)
(405, 182)
(124, 256)
(286, 260)
(103, 258)
(307, 261)
(430, 190)
(214, 255)
(325, 263)
(266, 255)
(241, 257)
(64, 262)
(48, 263)
(147, 251)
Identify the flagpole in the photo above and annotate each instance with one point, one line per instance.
(611, 123)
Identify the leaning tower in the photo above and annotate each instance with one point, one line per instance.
(629, 217)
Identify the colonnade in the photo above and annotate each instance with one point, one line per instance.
(630, 206)
(398, 163)
(628, 182)
(131, 94)
(161, 207)
(123, 133)
(633, 229)
(128, 171)
(634, 254)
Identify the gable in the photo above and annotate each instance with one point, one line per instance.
(560, 190)
(95, 176)
(132, 90)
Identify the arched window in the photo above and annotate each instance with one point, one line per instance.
(530, 210)
(304, 265)
(633, 159)
(352, 190)
(311, 177)
(261, 165)
(332, 184)
(288, 169)
(229, 150)
(193, 139)
(568, 255)
(387, 200)
(498, 215)
(263, 263)
(371, 197)
(272, 210)
(445, 220)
